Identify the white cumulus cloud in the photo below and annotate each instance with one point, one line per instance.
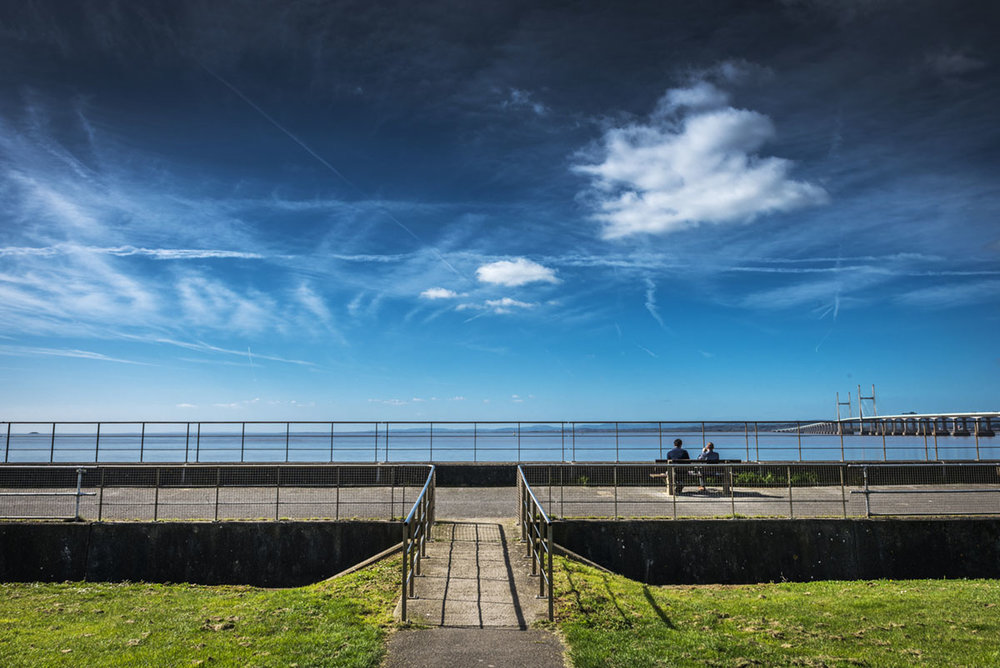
(695, 161)
(516, 272)
(438, 293)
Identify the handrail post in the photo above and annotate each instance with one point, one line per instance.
(218, 484)
(402, 601)
(617, 457)
(331, 442)
(243, 440)
(142, 442)
(475, 434)
(551, 578)
(100, 499)
(798, 429)
(868, 507)
(288, 428)
(79, 493)
(6, 451)
(156, 496)
(52, 444)
(187, 440)
(97, 442)
(791, 508)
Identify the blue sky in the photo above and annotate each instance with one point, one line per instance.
(518, 210)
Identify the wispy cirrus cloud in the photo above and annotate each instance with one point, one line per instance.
(502, 306)
(127, 251)
(31, 351)
(695, 160)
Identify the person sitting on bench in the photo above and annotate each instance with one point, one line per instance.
(708, 454)
(678, 454)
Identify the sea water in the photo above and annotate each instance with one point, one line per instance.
(466, 442)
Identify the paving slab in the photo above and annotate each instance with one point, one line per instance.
(475, 648)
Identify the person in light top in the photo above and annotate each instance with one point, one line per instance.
(708, 454)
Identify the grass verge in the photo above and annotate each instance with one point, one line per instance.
(608, 620)
(338, 623)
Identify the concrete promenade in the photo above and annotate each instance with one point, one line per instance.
(476, 592)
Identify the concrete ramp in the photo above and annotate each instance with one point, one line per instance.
(476, 575)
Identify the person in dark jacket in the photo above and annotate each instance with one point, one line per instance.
(678, 454)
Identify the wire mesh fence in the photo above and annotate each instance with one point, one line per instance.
(210, 492)
(765, 489)
(405, 442)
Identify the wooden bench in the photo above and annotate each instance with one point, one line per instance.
(692, 472)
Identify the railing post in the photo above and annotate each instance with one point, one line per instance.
(331, 442)
(375, 456)
(617, 457)
(868, 507)
(703, 435)
(277, 492)
(746, 435)
(798, 430)
(756, 441)
(142, 442)
(6, 451)
(218, 485)
(885, 456)
(659, 431)
(52, 444)
(615, 481)
(551, 578)
(156, 496)
(840, 428)
(100, 499)
(732, 493)
(475, 439)
(843, 492)
(791, 509)
(518, 441)
(562, 444)
(79, 492)
(187, 441)
(402, 601)
(97, 442)
(977, 439)
(288, 428)
(431, 444)
(197, 445)
(243, 441)
(336, 502)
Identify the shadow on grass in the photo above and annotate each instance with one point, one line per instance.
(657, 609)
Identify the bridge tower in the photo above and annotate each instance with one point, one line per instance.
(861, 413)
(843, 428)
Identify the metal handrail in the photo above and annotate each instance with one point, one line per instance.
(416, 533)
(536, 532)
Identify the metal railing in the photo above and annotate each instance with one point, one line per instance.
(35, 496)
(416, 532)
(153, 492)
(765, 489)
(536, 532)
(401, 442)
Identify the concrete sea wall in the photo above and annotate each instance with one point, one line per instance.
(800, 550)
(266, 554)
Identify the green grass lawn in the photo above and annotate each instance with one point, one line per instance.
(337, 623)
(608, 620)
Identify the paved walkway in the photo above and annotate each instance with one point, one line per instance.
(477, 595)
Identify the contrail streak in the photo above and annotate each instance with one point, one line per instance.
(325, 163)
